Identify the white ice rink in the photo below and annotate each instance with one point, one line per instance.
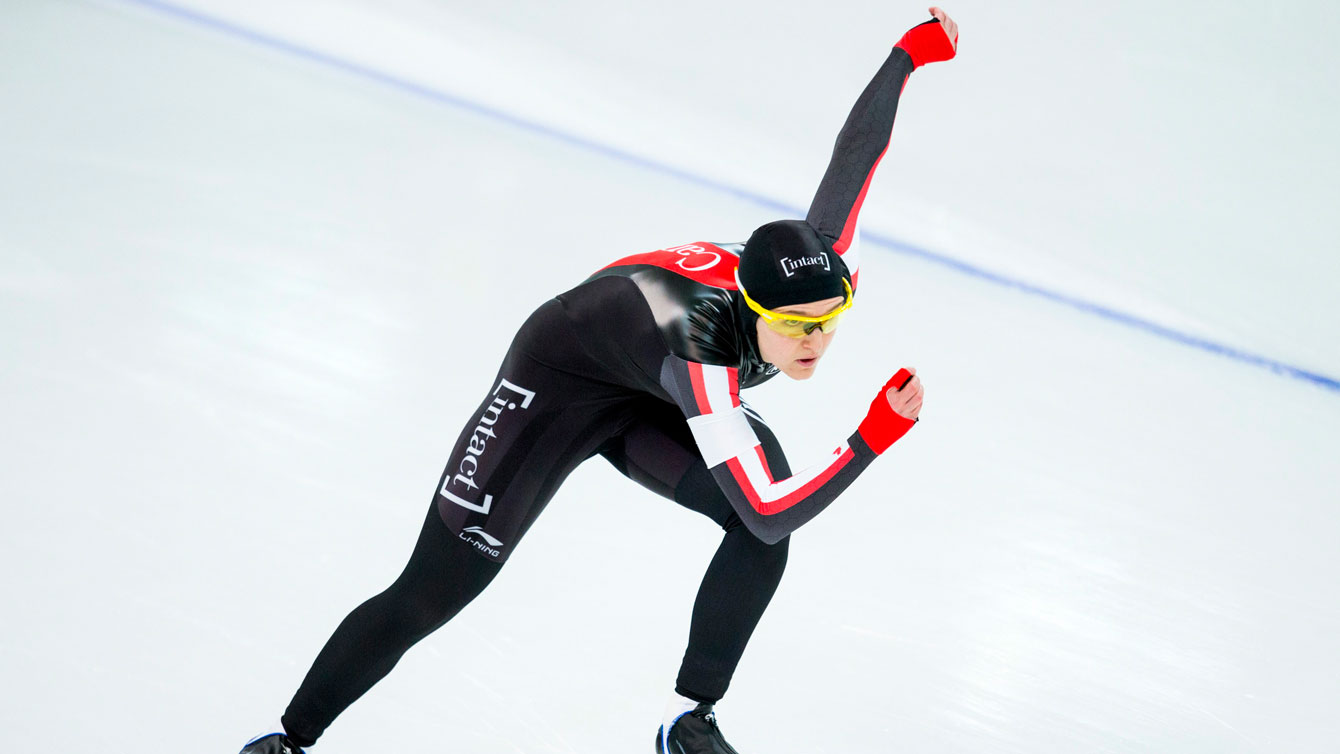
(259, 262)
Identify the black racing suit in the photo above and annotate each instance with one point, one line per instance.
(642, 364)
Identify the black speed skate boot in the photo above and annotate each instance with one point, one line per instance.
(271, 743)
(693, 732)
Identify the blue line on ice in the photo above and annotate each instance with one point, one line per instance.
(877, 239)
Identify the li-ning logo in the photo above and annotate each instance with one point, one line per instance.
(478, 531)
(790, 266)
(465, 476)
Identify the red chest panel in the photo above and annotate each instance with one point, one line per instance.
(701, 262)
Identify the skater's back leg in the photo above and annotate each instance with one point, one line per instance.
(443, 575)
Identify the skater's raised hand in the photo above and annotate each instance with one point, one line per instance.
(951, 28)
(932, 41)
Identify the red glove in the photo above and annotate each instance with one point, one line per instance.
(928, 43)
(882, 426)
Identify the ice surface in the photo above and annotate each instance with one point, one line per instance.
(249, 298)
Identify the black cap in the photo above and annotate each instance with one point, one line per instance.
(789, 262)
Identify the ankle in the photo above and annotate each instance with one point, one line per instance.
(676, 707)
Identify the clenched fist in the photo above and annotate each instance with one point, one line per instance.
(905, 399)
(893, 411)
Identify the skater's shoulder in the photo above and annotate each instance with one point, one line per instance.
(706, 263)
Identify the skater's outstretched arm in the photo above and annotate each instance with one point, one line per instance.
(865, 136)
(772, 508)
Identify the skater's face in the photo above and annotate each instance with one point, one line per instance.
(797, 357)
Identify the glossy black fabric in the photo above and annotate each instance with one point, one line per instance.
(688, 318)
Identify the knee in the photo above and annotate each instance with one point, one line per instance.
(734, 523)
(424, 598)
(400, 616)
(758, 550)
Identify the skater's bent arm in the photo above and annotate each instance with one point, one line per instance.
(865, 136)
(771, 508)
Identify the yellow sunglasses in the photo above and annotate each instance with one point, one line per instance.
(795, 325)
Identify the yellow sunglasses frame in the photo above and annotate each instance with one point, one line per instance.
(769, 316)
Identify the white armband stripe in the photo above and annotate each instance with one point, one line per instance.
(723, 435)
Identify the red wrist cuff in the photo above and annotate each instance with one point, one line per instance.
(927, 43)
(882, 426)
